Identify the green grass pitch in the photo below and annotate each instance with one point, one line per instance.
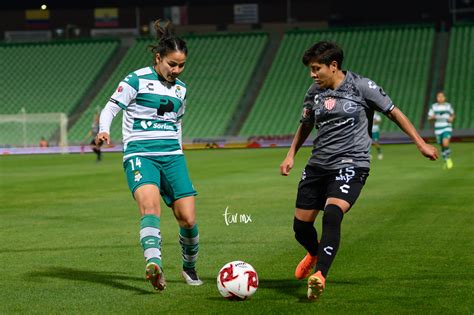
(69, 237)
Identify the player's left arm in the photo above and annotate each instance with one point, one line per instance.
(376, 97)
(179, 122)
(397, 116)
(452, 116)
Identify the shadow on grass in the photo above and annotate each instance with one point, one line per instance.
(294, 288)
(55, 249)
(110, 279)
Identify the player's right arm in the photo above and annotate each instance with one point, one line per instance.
(122, 97)
(307, 124)
(106, 116)
(300, 137)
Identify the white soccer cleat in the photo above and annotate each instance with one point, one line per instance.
(191, 277)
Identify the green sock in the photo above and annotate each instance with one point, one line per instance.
(189, 240)
(150, 238)
(446, 152)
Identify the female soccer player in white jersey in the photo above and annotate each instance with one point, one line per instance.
(153, 100)
(340, 105)
(442, 114)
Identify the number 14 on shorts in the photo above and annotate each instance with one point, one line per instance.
(135, 163)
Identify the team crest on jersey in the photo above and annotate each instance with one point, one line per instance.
(329, 103)
(120, 89)
(179, 92)
(138, 176)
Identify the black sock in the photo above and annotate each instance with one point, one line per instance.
(306, 235)
(330, 238)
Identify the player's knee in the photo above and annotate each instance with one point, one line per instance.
(149, 207)
(187, 223)
(301, 227)
(333, 215)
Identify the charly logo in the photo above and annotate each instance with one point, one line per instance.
(328, 250)
(150, 87)
(316, 99)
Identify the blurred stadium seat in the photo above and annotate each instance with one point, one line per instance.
(459, 83)
(395, 58)
(218, 70)
(48, 77)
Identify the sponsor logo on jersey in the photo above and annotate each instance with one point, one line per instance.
(153, 125)
(349, 107)
(120, 89)
(150, 87)
(337, 121)
(329, 103)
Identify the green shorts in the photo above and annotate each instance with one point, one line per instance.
(168, 172)
(441, 136)
(375, 136)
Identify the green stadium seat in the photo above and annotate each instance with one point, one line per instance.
(459, 79)
(396, 58)
(219, 68)
(51, 77)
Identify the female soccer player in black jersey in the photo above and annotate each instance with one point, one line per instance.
(340, 105)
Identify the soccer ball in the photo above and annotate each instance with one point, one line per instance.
(237, 280)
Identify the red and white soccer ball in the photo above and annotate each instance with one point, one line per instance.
(237, 280)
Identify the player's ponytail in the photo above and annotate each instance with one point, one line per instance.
(167, 42)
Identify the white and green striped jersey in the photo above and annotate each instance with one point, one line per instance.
(441, 113)
(152, 112)
(376, 122)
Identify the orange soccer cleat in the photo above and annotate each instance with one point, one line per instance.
(316, 284)
(155, 275)
(305, 266)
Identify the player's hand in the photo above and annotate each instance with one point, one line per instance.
(429, 151)
(102, 137)
(286, 166)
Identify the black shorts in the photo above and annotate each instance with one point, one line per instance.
(317, 185)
